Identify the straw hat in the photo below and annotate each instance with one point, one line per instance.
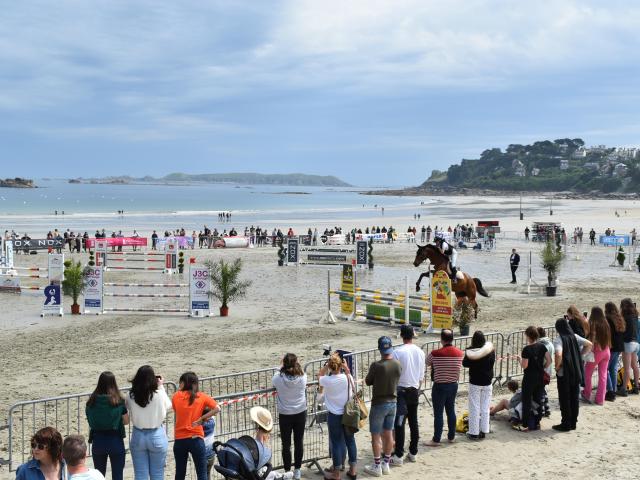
(262, 417)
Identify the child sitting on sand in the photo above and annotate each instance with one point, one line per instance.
(514, 404)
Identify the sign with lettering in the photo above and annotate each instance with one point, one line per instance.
(199, 287)
(37, 243)
(292, 251)
(441, 311)
(362, 253)
(93, 299)
(52, 301)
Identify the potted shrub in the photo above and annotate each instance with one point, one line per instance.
(638, 263)
(370, 256)
(73, 283)
(621, 256)
(551, 259)
(462, 316)
(92, 259)
(226, 285)
(281, 252)
(181, 262)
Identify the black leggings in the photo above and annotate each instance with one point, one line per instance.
(288, 424)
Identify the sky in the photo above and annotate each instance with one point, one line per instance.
(376, 92)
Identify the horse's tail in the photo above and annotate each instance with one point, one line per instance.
(480, 288)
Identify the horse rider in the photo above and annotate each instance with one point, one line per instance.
(451, 253)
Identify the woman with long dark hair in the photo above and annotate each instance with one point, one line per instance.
(291, 383)
(46, 461)
(617, 328)
(479, 359)
(600, 336)
(577, 322)
(148, 405)
(107, 415)
(190, 405)
(534, 359)
(569, 349)
(630, 354)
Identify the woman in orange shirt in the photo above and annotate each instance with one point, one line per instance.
(189, 405)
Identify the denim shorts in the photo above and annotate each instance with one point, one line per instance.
(381, 417)
(631, 347)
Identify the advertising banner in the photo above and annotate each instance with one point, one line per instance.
(56, 267)
(182, 242)
(292, 251)
(615, 240)
(362, 253)
(37, 243)
(119, 241)
(441, 311)
(93, 300)
(199, 287)
(347, 285)
(52, 301)
(377, 237)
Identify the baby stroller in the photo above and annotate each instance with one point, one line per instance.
(243, 458)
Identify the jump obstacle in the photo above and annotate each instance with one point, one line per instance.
(168, 258)
(298, 254)
(197, 294)
(380, 306)
(10, 274)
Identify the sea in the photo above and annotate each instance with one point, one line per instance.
(87, 207)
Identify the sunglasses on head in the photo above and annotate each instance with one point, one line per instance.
(38, 446)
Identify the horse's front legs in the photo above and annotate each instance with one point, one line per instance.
(422, 275)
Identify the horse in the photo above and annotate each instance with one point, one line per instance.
(465, 288)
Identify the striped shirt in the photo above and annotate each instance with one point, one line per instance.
(445, 364)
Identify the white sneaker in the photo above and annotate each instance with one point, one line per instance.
(385, 468)
(396, 461)
(411, 458)
(373, 470)
(297, 474)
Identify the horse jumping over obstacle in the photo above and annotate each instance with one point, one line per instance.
(465, 288)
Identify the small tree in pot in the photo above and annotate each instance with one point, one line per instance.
(551, 259)
(621, 257)
(73, 283)
(638, 263)
(463, 314)
(181, 262)
(225, 283)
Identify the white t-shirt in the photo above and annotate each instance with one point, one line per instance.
(90, 474)
(152, 415)
(412, 359)
(557, 345)
(336, 392)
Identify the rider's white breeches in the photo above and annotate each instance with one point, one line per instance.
(454, 259)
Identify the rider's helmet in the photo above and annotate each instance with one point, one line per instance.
(439, 237)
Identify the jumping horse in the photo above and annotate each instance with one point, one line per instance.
(465, 288)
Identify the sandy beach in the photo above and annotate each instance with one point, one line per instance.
(56, 356)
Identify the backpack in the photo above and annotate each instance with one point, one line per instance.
(462, 423)
(620, 379)
(243, 458)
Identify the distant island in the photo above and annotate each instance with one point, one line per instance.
(563, 165)
(17, 183)
(291, 179)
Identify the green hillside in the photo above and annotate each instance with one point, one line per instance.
(559, 165)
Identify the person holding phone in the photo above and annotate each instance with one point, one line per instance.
(148, 404)
(333, 378)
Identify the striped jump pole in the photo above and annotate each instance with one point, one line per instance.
(31, 269)
(147, 295)
(136, 260)
(148, 310)
(24, 276)
(136, 268)
(155, 285)
(150, 254)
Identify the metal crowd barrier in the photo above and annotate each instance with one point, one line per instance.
(514, 344)
(236, 383)
(65, 413)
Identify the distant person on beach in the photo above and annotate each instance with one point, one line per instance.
(514, 262)
(445, 364)
(526, 233)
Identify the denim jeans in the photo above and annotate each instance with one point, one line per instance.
(341, 440)
(148, 451)
(108, 447)
(443, 397)
(181, 450)
(612, 378)
(382, 417)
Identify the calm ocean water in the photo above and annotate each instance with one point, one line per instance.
(147, 207)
